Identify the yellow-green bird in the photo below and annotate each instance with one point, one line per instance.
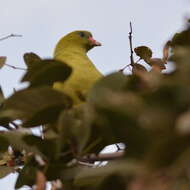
(72, 49)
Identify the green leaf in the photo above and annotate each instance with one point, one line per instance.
(143, 52)
(95, 176)
(115, 114)
(166, 149)
(115, 82)
(4, 171)
(74, 128)
(36, 106)
(45, 146)
(15, 140)
(27, 176)
(4, 142)
(46, 72)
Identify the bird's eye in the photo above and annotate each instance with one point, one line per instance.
(82, 34)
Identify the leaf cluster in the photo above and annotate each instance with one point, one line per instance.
(149, 112)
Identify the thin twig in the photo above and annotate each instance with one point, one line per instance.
(13, 67)
(131, 44)
(102, 157)
(131, 49)
(10, 36)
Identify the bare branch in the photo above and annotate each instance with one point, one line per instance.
(131, 44)
(131, 49)
(102, 157)
(10, 36)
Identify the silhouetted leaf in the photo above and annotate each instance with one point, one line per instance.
(5, 170)
(46, 72)
(31, 59)
(36, 106)
(143, 52)
(137, 68)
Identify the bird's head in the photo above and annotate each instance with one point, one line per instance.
(81, 39)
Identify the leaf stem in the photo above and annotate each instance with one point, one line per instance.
(13, 67)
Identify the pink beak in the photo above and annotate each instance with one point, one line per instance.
(94, 42)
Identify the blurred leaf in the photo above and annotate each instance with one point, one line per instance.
(36, 106)
(15, 140)
(1, 97)
(183, 123)
(27, 176)
(55, 170)
(4, 142)
(46, 72)
(157, 63)
(116, 117)
(114, 182)
(143, 52)
(166, 150)
(181, 39)
(91, 176)
(4, 171)
(166, 51)
(73, 128)
(115, 81)
(137, 68)
(45, 146)
(2, 61)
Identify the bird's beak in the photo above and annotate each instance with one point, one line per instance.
(94, 42)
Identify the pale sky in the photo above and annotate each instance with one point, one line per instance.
(43, 22)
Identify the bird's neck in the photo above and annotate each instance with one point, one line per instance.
(73, 49)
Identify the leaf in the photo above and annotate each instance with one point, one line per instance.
(166, 149)
(2, 61)
(157, 63)
(137, 68)
(116, 112)
(4, 142)
(92, 176)
(15, 140)
(27, 176)
(36, 106)
(45, 146)
(31, 59)
(183, 123)
(166, 51)
(4, 171)
(115, 81)
(143, 52)
(2, 97)
(73, 128)
(46, 72)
